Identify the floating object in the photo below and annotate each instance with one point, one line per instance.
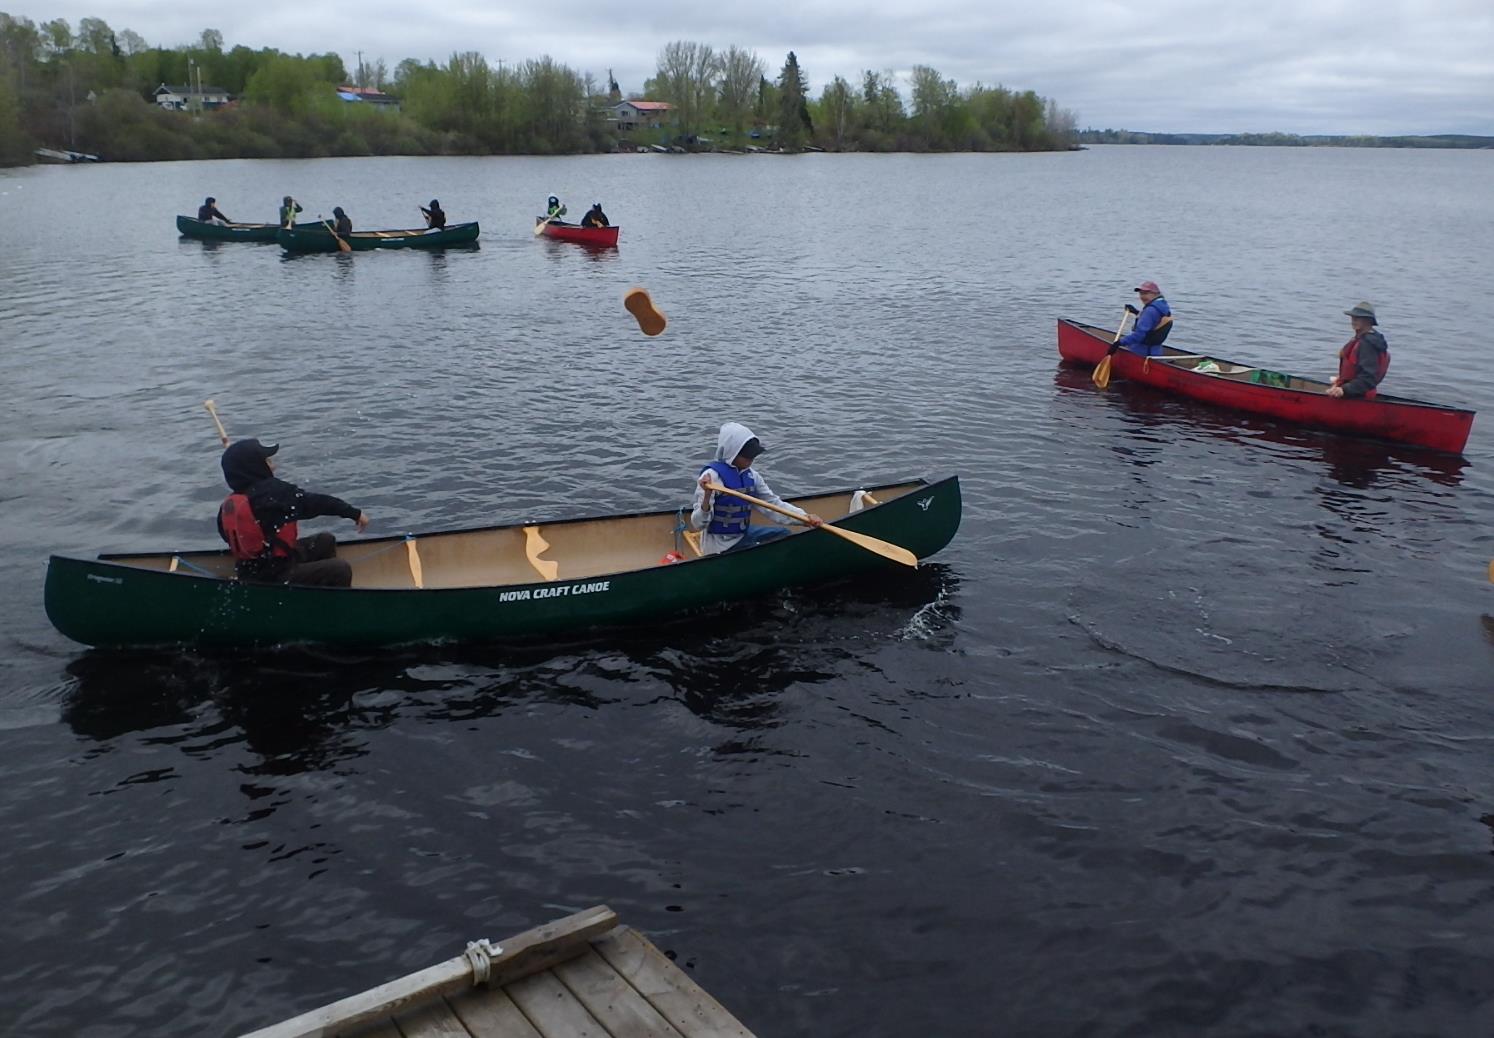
(651, 319)
(602, 237)
(317, 237)
(585, 974)
(209, 230)
(1301, 400)
(485, 584)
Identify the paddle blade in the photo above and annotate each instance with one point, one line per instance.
(887, 550)
(539, 228)
(651, 320)
(1101, 376)
(343, 246)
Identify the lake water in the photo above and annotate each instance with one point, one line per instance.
(1189, 731)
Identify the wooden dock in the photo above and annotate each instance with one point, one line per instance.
(584, 976)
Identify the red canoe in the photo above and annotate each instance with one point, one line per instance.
(1245, 388)
(604, 236)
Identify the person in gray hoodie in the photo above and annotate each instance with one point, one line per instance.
(726, 520)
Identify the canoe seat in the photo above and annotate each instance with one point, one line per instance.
(417, 573)
(534, 547)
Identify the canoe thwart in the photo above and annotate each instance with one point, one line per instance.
(535, 546)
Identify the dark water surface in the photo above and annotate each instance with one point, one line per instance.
(1189, 731)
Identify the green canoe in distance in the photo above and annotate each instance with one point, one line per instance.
(191, 227)
(485, 584)
(316, 237)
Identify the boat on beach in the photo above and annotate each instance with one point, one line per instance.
(604, 237)
(492, 583)
(1290, 398)
(318, 237)
(208, 230)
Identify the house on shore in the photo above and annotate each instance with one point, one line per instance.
(190, 99)
(630, 116)
(368, 95)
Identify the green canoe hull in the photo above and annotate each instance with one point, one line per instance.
(316, 237)
(110, 603)
(190, 227)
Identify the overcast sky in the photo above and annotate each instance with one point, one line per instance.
(1300, 66)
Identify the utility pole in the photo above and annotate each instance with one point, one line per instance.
(362, 72)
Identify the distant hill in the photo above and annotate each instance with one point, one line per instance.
(1286, 140)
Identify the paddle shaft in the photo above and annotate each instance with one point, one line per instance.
(341, 245)
(873, 544)
(212, 409)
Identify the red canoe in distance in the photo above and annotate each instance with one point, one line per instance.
(601, 236)
(1304, 401)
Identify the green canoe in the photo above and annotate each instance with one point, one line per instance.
(317, 237)
(485, 584)
(191, 227)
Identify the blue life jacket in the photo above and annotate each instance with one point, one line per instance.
(730, 516)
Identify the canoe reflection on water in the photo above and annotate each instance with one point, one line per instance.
(1353, 461)
(307, 709)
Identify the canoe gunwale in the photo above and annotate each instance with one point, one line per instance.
(120, 559)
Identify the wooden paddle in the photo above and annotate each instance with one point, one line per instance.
(861, 540)
(539, 228)
(212, 409)
(640, 304)
(342, 246)
(1101, 376)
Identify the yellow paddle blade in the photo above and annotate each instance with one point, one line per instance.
(1101, 376)
(886, 549)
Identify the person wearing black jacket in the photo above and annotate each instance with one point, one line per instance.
(208, 211)
(595, 217)
(344, 223)
(276, 506)
(435, 216)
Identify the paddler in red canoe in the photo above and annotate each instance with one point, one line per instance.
(1363, 361)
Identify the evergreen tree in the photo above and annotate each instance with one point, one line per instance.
(794, 124)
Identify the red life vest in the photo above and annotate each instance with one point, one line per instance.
(1348, 366)
(246, 537)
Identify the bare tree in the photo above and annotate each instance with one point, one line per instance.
(687, 79)
(741, 72)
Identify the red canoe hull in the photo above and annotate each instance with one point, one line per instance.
(1396, 419)
(602, 236)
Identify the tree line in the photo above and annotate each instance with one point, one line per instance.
(91, 89)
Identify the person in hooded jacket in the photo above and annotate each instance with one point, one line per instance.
(554, 210)
(1363, 361)
(435, 216)
(726, 520)
(209, 211)
(1153, 322)
(343, 223)
(275, 507)
(595, 217)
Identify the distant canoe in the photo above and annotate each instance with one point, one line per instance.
(1288, 397)
(600, 236)
(190, 227)
(487, 584)
(316, 237)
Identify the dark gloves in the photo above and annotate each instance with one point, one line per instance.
(1131, 309)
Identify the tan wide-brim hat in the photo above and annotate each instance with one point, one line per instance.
(1362, 310)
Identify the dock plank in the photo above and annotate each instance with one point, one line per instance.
(490, 1013)
(681, 1001)
(554, 1011)
(612, 1000)
(432, 1020)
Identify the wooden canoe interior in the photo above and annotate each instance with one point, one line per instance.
(571, 550)
(1227, 370)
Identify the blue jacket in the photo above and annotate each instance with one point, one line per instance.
(1146, 324)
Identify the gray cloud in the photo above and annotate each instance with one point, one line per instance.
(1304, 66)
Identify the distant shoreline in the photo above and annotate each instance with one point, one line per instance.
(1444, 141)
